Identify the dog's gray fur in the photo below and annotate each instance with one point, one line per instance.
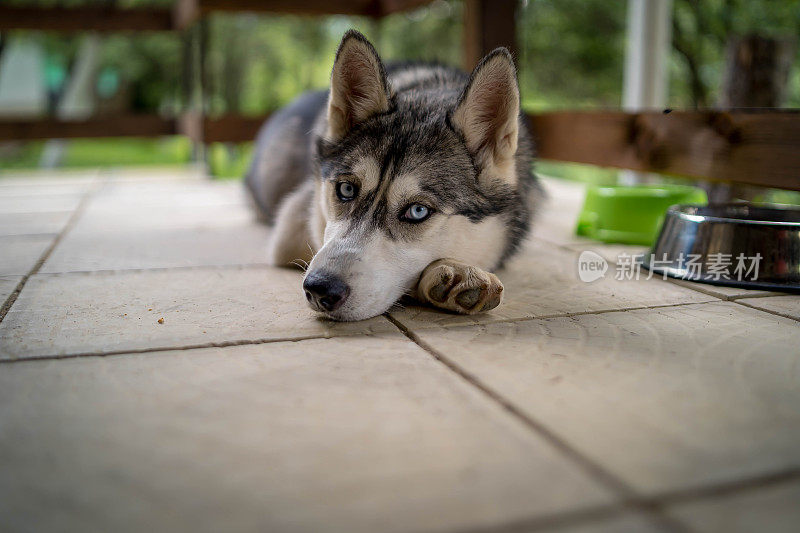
(296, 154)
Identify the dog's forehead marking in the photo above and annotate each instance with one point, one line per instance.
(368, 171)
(404, 186)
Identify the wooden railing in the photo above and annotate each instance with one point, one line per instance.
(754, 147)
(745, 146)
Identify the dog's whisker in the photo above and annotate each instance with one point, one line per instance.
(302, 266)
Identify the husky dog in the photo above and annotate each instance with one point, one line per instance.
(409, 180)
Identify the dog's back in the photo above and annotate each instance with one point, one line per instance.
(283, 153)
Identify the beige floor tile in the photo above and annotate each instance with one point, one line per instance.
(766, 510)
(27, 198)
(169, 194)
(543, 281)
(7, 286)
(556, 220)
(101, 217)
(161, 225)
(33, 223)
(188, 172)
(78, 178)
(613, 253)
(19, 254)
(102, 312)
(152, 247)
(40, 203)
(27, 189)
(664, 398)
(786, 305)
(720, 291)
(624, 523)
(360, 434)
(617, 253)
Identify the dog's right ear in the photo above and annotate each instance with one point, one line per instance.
(487, 115)
(358, 85)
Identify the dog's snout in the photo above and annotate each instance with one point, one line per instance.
(325, 291)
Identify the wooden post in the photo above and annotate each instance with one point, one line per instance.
(646, 54)
(202, 80)
(487, 25)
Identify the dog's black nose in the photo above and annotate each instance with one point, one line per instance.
(324, 291)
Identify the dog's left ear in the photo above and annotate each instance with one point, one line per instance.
(358, 85)
(487, 114)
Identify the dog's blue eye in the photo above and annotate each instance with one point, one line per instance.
(346, 191)
(416, 213)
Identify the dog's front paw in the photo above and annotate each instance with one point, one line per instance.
(458, 287)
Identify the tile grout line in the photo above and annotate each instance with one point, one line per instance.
(734, 298)
(184, 347)
(12, 298)
(31, 236)
(246, 342)
(676, 497)
(107, 271)
(696, 287)
(567, 315)
(768, 311)
(629, 496)
(643, 504)
(723, 489)
(554, 520)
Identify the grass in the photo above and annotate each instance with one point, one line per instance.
(127, 152)
(226, 161)
(101, 153)
(576, 172)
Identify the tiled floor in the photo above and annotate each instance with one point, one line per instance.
(610, 406)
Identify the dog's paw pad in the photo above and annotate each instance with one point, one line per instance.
(493, 299)
(469, 298)
(439, 291)
(460, 288)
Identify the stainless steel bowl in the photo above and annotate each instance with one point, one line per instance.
(741, 245)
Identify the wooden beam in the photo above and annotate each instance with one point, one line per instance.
(387, 7)
(121, 126)
(183, 14)
(232, 128)
(758, 148)
(90, 18)
(305, 7)
(225, 128)
(371, 8)
(487, 25)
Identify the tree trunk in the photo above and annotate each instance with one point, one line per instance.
(756, 75)
(757, 72)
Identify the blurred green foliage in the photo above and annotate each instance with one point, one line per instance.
(229, 161)
(571, 53)
(259, 63)
(700, 32)
(577, 172)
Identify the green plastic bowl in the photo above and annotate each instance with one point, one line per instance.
(632, 214)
